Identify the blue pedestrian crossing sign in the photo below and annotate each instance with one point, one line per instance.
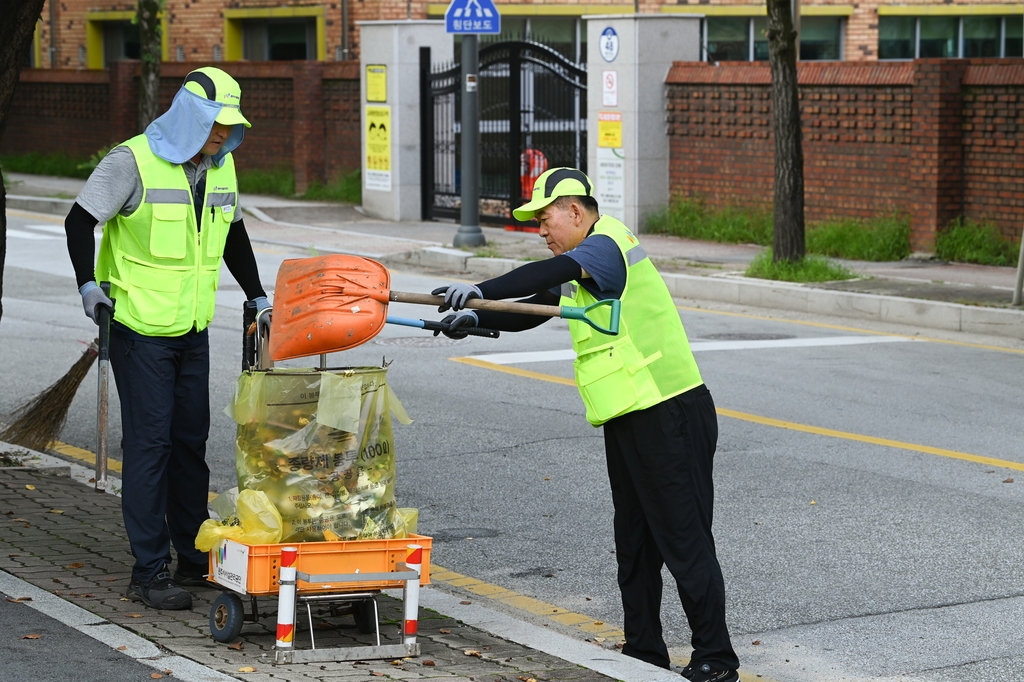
(472, 16)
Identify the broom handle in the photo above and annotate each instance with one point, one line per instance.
(482, 304)
(103, 370)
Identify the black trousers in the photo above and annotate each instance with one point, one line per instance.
(660, 464)
(165, 420)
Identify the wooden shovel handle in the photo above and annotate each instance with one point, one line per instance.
(481, 304)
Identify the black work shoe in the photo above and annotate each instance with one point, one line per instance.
(188, 574)
(704, 673)
(160, 593)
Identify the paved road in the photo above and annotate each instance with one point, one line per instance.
(863, 522)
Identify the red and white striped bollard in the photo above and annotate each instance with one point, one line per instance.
(286, 600)
(411, 595)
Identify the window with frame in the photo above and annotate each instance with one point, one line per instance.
(278, 40)
(731, 39)
(908, 37)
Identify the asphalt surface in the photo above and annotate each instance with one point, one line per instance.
(901, 560)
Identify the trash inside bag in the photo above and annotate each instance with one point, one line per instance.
(320, 445)
(256, 522)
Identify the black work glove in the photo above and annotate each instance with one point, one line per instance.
(452, 325)
(456, 295)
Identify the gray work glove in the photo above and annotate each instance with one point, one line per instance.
(263, 304)
(456, 295)
(93, 296)
(452, 325)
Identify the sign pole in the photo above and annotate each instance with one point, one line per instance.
(469, 233)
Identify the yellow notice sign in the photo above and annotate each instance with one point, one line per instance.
(378, 148)
(609, 129)
(376, 83)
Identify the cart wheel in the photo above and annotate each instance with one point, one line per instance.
(226, 616)
(365, 613)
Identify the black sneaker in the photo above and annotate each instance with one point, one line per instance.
(704, 673)
(188, 574)
(160, 593)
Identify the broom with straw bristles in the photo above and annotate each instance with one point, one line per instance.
(39, 421)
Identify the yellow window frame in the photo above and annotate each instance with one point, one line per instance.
(94, 34)
(233, 19)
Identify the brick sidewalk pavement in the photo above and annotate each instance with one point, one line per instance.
(66, 539)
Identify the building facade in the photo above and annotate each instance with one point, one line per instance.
(91, 34)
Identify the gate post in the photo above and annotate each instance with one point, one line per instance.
(390, 113)
(627, 141)
(469, 233)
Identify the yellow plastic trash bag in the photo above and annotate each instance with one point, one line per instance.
(321, 446)
(257, 523)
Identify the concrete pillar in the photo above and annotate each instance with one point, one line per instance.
(628, 59)
(391, 158)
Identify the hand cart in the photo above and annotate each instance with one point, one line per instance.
(341, 572)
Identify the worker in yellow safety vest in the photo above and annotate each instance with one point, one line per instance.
(643, 386)
(168, 200)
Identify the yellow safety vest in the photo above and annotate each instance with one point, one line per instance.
(162, 270)
(649, 360)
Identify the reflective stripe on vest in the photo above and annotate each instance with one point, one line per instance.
(649, 360)
(162, 269)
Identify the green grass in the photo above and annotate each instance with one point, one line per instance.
(885, 238)
(346, 188)
(693, 219)
(810, 269)
(45, 164)
(968, 241)
(277, 182)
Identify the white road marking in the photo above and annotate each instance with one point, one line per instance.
(28, 235)
(53, 229)
(700, 346)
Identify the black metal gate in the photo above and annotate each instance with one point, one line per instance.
(533, 115)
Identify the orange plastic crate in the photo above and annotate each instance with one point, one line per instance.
(323, 558)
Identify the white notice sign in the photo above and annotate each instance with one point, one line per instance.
(609, 88)
(231, 565)
(611, 182)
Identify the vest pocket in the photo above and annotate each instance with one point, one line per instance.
(153, 295)
(207, 303)
(604, 382)
(167, 234)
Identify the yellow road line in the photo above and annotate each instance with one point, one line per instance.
(822, 325)
(778, 423)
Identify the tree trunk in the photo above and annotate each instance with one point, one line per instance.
(789, 242)
(16, 31)
(150, 53)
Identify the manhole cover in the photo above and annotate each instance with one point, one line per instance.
(747, 337)
(424, 341)
(456, 534)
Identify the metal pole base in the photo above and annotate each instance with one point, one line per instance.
(469, 235)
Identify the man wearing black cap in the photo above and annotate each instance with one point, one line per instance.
(644, 387)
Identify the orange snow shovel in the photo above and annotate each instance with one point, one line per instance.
(333, 303)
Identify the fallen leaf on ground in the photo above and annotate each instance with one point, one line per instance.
(237, 646)
(247, 669)
(134, 615)
(756, 642)
(125, 599)
(110, 580)
(31, 636)
(445, 631)
(17, 600)
(376, 674)
(122, 647)
(1009, 480)
(428, 662)
(74, 565)
(465, 603)
(156, 676)
(397, 662)
(472, 652)
(13, 555)
(813, 502)
(30, 487)
(598, 622)
(56, 511)
(56, 580)
(22, 520)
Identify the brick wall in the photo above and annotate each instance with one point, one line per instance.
(933, 139)
(313, 128)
